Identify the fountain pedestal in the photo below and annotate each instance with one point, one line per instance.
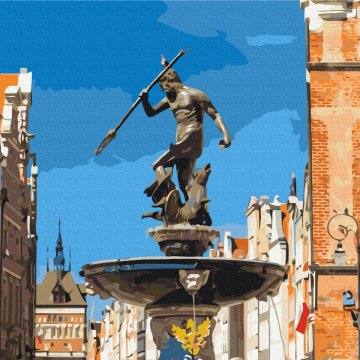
(184, 239)
(163, 320)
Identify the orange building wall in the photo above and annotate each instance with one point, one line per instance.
(336, 338)
(335, 139)
(334, 108)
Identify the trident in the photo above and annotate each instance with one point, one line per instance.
(112, 133)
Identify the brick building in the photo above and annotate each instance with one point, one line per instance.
(17, 218)
(333, 76)
(60, 320)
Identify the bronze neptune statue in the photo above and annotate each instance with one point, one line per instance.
(189, 107)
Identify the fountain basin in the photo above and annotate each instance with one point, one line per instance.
(154, 281)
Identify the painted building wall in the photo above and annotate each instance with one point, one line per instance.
(280, 233)
(333, 76)
(17, 218)
(62, 332)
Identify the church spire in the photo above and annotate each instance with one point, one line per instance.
(59, 260)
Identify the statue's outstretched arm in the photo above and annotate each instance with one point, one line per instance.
(209, 108)
(153, 110)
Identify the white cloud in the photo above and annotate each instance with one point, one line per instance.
(262, 40)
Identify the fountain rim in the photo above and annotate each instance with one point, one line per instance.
(178, 262)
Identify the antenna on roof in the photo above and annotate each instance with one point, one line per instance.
(47, 259)
(70, 259)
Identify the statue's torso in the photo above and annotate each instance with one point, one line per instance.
(188, 114)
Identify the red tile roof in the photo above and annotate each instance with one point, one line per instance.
(240, 247)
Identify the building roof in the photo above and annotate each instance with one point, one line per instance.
(240, 247)
(44, 291)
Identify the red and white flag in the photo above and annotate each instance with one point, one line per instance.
(302, 323)
(40, 336)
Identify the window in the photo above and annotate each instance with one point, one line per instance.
(47, 333)
(60, 318)
(263, 307)
(17, 302)
(11, 300)
(252, 323)
(264, 335)
(6, 292)
(77, 331)
(59, 295)
(6, 241)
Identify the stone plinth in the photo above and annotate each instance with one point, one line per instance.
(184, 239)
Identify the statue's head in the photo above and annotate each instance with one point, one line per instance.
(170, 81)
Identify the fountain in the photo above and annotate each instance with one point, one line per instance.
(183, 290)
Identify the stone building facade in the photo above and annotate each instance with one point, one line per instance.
(279, 232)
(18, 237)
(121, 334)
(229, 333)
(60, 320)
(333, 76)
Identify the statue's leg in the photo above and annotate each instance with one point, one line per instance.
(185, 169)
(165, 160)
(160, 173)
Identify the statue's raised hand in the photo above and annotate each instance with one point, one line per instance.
(144, 94)
(224, 143)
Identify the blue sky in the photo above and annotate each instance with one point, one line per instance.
(90, 60)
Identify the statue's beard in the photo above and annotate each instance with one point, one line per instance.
(171, 94)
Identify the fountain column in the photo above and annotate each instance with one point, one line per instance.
(163, 321)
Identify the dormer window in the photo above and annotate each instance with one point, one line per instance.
(59, 295)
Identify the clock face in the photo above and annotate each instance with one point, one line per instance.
(340, 225)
